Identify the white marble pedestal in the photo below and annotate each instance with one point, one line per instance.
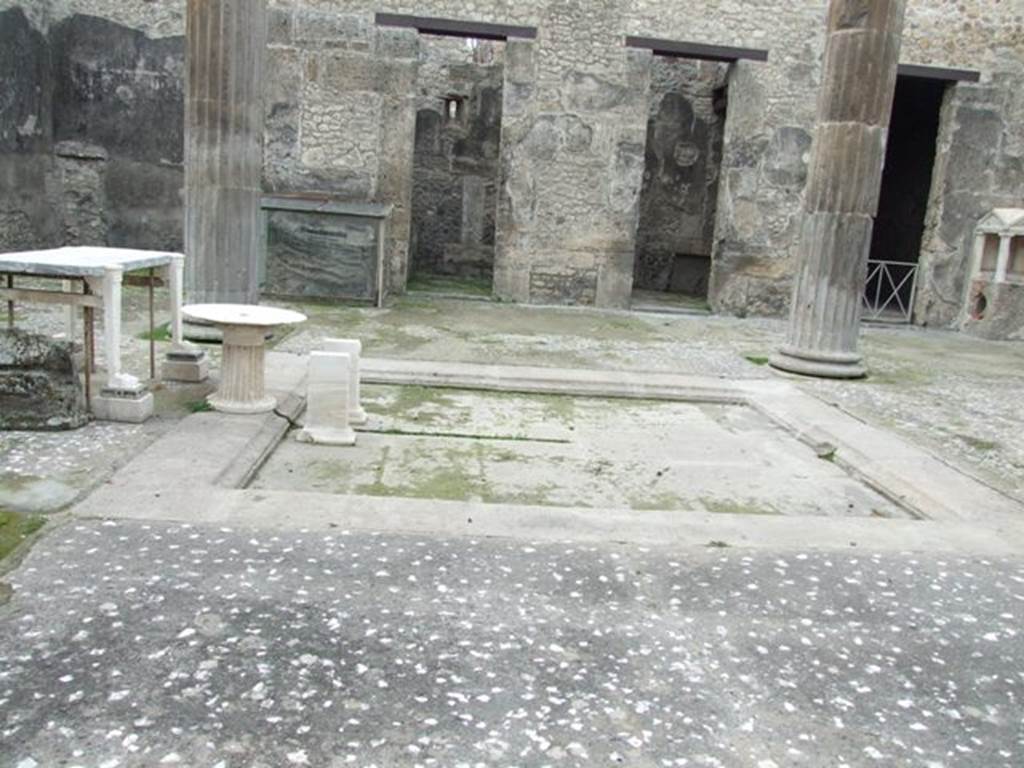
(354, 349)
(242, 386)
(328, 403)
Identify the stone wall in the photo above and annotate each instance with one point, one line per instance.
(574, 131)
(91, 140)
(980, 167)
(455, 171)
(29, 176)
(340, 116)
(685, 128)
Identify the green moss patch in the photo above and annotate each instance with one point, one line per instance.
(15, 528)
(160, 333)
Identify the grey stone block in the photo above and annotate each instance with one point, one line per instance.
(39, 384)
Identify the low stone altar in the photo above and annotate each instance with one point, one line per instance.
(994, 304)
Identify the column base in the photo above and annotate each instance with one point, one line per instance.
(191, 366)
(242, 407)
(357, 417)
(327, 436)
(124, 406)
(822, 366)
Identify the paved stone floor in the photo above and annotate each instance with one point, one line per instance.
(136, 644)
(574, 452)
(952, 394)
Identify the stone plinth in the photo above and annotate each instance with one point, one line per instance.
(841, 200)
(328, 401)
(131, 406)
(354, 349)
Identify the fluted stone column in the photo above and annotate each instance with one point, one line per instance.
(223, 148)
(859, 79)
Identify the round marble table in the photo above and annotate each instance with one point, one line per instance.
(242, 388)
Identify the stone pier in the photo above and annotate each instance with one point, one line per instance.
(841, 199)
(223, 148)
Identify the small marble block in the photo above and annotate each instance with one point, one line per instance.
(327, 400)
(354, 349)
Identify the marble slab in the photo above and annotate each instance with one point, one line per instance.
(81, 261)
(322, 255)
(242, 314)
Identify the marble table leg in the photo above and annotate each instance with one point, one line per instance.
(242, 387)
(117, 380)
(185, 361)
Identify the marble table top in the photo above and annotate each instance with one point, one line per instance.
(81, 261)
(242, 314)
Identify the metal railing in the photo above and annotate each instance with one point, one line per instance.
(889, 291)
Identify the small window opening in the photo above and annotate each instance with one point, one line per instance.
(454, 108)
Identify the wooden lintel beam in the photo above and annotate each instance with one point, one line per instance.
(31, 295)
(456, 27)
(939, 73)
(679, 49)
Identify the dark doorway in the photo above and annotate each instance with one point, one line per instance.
(675, 231)
(456, 165)
(906, 184)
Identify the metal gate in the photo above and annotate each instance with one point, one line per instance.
(889, 291)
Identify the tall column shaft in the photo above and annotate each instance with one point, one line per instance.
(859, 78)
(226, 42)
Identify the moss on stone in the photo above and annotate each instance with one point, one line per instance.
(736, 507)
(978, 443)
(15, 529)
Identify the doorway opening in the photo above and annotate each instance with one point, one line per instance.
(456, 163)
(906, 186)
(676, 227)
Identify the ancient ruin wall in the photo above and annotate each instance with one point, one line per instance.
(574, 140)
(94, 148)
(29, 177)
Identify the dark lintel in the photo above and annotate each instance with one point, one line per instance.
(456, 28)
(939, 73)
(682, 50)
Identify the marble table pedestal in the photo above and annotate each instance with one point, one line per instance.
(242, 388)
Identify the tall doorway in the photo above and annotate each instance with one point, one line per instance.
(456, 164)
(675, 231)
(906, 186)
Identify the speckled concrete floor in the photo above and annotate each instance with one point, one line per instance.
(135, 644)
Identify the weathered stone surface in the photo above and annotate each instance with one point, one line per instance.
(1000, 314)
(325, 256)
(110, 81)
(28, 174)
(39, 385)
(846, 168)
(224, 148)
